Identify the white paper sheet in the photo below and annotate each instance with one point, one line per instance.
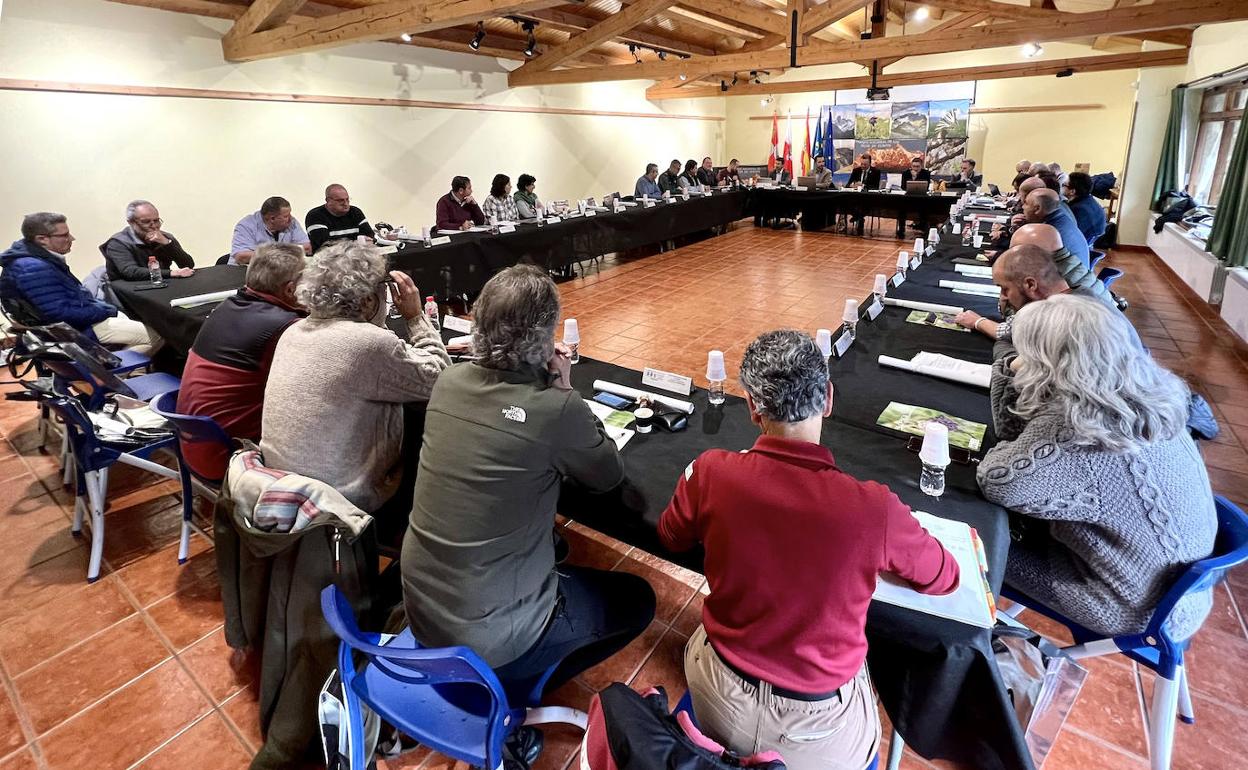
(974, 271)
(202, 299)
(987, 289)
(927, 307)
(943, 367)
(971, 602)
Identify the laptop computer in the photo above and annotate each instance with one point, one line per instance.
(806, 181)
(916, 188)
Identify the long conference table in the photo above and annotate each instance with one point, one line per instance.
(936, 678)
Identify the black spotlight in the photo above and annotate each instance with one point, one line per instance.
(633, 50)
(530, 48)
(1066, 73)
(662, 55)
(477, 38)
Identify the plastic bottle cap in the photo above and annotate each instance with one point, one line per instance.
(571, 333)
(851, 311)
(881, 284)
(429, 299)
(715, 365)
(903, 258)
(823, 338)
(935, 449)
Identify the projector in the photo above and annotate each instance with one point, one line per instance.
(877, 94)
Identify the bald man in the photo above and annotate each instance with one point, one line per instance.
(1078, 276)
(337, 220)
(1023, 167)
(1025, 273)
(1046, 206)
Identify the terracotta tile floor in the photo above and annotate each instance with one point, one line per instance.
(133, 671)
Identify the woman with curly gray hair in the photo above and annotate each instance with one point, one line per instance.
(502, 433)
(333, 406)
(779, 664)
(1111, 497)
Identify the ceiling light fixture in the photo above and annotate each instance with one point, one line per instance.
(633, 50)
(477, 38)
(662, 55)
(921, 13)
(530, 47)
(766, 100)
(406, 38)
(683, 76)
(1032, 50)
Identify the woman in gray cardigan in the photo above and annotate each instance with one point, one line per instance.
(1110, 496)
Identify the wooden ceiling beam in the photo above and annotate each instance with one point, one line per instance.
(1167, 58)
(211, 8)
(612, 26)
(262, 15)
(1000, 10)
(560, 18)
(377, 22)
(834, 10)
(1063, 27)
(961, 21)
(738, 13)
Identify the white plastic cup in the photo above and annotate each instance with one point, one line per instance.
(850, 316)
(823, 338)
(978, 241)
(715, 365)
(957, 228)
(571, 332)
(881, 284)
(424, 234)
(903, 260)
(935, 449)
(932, 235)
(918, 245)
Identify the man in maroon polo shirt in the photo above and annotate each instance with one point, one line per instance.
(793, 548)
(229, 363)
(457, 210)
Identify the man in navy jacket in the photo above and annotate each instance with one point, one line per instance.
(37, 287)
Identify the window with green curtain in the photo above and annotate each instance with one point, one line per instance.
(1229, 239)
(1168, 165)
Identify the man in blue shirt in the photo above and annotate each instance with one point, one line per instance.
(1088, 213)
(646, 184)
(271, 224)
(1045, 206)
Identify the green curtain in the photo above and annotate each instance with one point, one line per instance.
(1168, 166)
(1229, 239)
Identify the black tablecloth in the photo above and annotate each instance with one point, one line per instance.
(178, 326)
(819, 207)
(468, 261)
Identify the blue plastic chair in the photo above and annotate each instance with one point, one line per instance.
(192, 429)
(446, 698)
(1155, 648)
(1108, 275)
(91, 456)
(1097, 257)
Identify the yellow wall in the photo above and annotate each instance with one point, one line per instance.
(206, 163)
(1215, 48)
(997, 141)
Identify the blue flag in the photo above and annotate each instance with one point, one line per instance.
(816, 146)
(827, 137)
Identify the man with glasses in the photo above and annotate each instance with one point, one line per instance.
(37, 288)
(128, 253)
(271, 224)
(337, 220)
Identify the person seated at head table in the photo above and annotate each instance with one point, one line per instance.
(916, 172)
(527, 204)
(271, 224)
(669, 181)
(689, 179)
(706, 173)
(730, 175)
(1109, 496)
(337, 219)
(229, 363)
(1089, 216)
(646, 185)
(501, 434)
(809, 647)
(499, 206)
(864, 174)
(333, 403)
(128, 254)
(457, 210)
(37, 288)
(822, 174)
(1046, 206)
(967, 176)
(1025, 274)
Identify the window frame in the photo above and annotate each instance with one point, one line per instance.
(1227, 116)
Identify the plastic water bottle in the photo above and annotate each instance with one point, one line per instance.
(823, 338)
(153, 271)
(431, 312)
(935, 458)
(572, 338)
(425, 236)
(715, 376)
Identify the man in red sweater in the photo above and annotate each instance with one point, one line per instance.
(793, 548)
(457, 210)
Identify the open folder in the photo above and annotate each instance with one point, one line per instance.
(972, 602)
